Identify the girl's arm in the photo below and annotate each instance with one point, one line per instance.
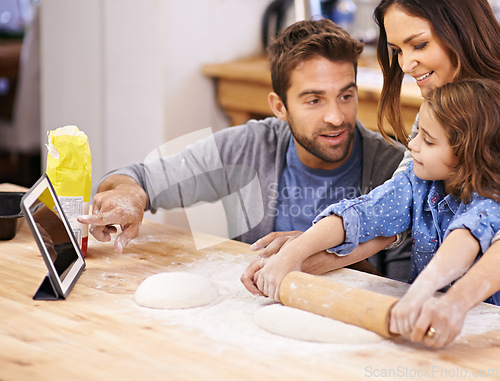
(453, 258)
(448, 312)
(318, 263)
(386, 202)
(326, 233)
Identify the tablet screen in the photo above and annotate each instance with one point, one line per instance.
(53, 235)
(55, 238)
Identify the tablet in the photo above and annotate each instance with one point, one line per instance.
(54, 238)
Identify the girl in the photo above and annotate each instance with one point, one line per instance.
(449, 195)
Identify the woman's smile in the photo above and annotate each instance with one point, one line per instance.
(419, 52)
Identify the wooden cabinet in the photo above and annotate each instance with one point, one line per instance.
(243, 86)
(10, 54)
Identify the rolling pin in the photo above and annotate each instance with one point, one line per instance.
(325, 297)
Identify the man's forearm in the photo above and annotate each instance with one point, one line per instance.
(118, 190)
(323, 262)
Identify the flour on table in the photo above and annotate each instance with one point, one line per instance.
(302, 325)
(176, 290)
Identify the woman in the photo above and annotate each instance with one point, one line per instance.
(426, 39)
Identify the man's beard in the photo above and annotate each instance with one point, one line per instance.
(331, 154)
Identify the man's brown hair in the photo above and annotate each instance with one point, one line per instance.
(304, 40)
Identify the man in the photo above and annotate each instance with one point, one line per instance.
(274, 174)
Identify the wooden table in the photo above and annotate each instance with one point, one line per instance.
(243, 86)
(99, 333)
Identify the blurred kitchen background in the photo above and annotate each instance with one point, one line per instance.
(129, 72)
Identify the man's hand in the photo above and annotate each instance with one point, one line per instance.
(120, 201)
(273, 242)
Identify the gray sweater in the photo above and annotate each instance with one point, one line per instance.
(242, 167)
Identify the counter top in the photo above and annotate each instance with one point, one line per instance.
(100, 333)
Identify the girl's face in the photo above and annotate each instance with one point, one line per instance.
(432, 153)
(420, 53)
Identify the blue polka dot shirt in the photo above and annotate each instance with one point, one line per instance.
(406, 201)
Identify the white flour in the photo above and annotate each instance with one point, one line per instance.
(228, 321)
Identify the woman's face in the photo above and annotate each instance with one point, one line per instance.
(420, 53)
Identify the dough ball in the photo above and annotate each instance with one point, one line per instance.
(302, 325)
(175, 290)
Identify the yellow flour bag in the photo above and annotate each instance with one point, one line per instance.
(70, 171)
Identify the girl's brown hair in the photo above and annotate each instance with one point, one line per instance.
(468, 29)
(469, 111)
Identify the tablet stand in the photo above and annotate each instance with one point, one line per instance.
(46, 291)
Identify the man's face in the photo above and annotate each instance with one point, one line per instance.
(321, 111)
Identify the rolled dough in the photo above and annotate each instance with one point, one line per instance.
(302, 325)
(175, 290)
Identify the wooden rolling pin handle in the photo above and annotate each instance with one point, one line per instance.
(325, 297)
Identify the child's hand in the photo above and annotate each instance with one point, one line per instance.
(270, 244)
(267, 273)
(403, 317)
(268, 278)
(248, 277)
(405, 313)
